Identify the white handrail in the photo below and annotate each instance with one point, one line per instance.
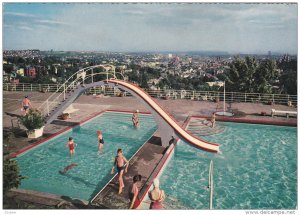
(211, 183)
(67, 86)
(79, 71)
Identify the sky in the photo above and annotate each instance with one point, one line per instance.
(234, 28)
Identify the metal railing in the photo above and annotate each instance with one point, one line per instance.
(231, 97)
(211, 183)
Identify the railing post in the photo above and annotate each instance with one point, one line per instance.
(273, 98)
(31, 87)
(7, 87)
(64, 91)
(245, 97)
(23, 87)
(92, 75)
(40, 88)
(47, 104)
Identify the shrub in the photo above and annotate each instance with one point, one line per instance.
(11, 175)
(33, 120)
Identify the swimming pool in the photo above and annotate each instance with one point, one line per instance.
(42, 164)
(256, 169)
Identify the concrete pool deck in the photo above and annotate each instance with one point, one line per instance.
(89, 105)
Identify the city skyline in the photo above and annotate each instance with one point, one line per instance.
(159, 27)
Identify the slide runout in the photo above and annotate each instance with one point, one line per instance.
(169, 119)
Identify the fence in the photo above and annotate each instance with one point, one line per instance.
(171, 94)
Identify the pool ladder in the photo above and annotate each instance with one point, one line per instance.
(211, 183)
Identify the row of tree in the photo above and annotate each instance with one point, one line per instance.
(246, 75)
(267, 76)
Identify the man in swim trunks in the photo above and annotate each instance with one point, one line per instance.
(100, 140)
(71, 145)
(135, 119)
(121, 163)
(26, 104)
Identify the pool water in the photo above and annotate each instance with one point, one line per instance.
(256, 169)
(42, 164)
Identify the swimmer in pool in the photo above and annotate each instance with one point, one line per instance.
(71, 145)
(135, 119)
(100, 141)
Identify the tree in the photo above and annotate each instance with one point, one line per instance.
(288, 78)
(240, 76)
(250, 77)
(288, 82)
(11, 175)
(265, 76)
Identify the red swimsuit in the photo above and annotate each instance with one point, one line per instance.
(71, 146)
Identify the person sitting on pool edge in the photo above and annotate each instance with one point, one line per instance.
(156, 196)
(121, 162)
(71, 145)
(135, 119)
(100, 141)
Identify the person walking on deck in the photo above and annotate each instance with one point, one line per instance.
(26, 104)
(122, 163)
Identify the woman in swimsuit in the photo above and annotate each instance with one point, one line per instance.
(71, 145)
(121, 162)
(134, 191)
(213, 120)
(156, 196)
(100, 141)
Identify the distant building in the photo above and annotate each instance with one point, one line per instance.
(269, 54)
(21, 72)
(31, 72)
(216, 83)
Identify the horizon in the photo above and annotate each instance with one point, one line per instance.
(158, 52)
(237, 28)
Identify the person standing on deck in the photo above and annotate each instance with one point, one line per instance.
(134, 192)
(26, 103)
(121, 163)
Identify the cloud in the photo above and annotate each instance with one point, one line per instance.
(52, 22)
(25, 28)
(19, 14)
(161, 26)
